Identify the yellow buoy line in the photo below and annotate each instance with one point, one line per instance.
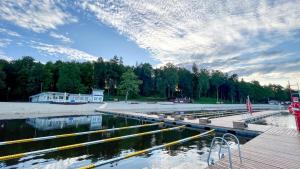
(146, 150)
(20, 155)
(74, 134)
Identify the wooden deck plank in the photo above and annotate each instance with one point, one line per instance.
(273, 149)
(284, 162)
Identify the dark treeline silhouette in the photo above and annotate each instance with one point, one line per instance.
(24, 77)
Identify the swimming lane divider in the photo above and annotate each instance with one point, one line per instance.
(20, 155)
(74, 134)
(100, 163)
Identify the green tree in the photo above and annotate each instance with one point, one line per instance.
(48, 80)
(114, 70)
(217, 79)
(203, 82)
(185, 82)
(35, 79)
(145, 73)
(196, 89)
(233, 87)
(87, 75)
(69, 79)
(170, 78)
(129, 84)
(2, 79)
(99, 73)
(21, 71)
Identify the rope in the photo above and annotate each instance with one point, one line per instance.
(13, 156)
(146, 150)
(73, 134)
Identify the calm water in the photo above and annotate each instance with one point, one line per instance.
(189, 155)
(286, 120)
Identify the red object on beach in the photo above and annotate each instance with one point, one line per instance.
(249, 105)
(295, 99)
(290, 109)
(297, 118)
(295, 109)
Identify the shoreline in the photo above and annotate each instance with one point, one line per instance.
(24, 110)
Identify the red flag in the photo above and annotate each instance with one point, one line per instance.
(249, 105)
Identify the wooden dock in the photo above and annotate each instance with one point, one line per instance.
(272, 148)
(222, 124)
(275, 148)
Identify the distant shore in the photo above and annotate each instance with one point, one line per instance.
(23, 110)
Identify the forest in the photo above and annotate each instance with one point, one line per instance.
(24, 77)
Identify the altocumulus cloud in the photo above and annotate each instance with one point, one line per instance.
(228, 35)
(58, 50)
(38, 16)
(61, 37)
(9, 32)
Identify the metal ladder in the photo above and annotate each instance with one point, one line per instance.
(223, 140)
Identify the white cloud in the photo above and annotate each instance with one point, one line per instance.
(222, 34)
(9, 32)
(4, 56)
(38, 16)
(4, 42)
(61, 51)
(60, 37)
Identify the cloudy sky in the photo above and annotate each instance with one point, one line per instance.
(256, 39)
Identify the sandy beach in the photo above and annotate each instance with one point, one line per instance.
(17, 110)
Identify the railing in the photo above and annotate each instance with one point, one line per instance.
(227, 145)
(237, 141)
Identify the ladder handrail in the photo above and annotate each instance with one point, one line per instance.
(228, 147)
(238, 143)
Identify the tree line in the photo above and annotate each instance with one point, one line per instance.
(24, 77)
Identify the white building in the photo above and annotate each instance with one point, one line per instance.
(58, 97)
(94, 122)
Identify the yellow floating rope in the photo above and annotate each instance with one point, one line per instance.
(8, 157)
(146, 150)
(74, 134)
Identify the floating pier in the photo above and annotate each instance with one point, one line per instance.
(272, 148)
(221, 124)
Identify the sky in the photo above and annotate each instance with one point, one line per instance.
(257, 39)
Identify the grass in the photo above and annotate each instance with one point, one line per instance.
(138, 98)
(149, 99)
(205, 100)
(210, 100)
(202, 100)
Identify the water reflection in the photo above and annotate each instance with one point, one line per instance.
(192, 154)
(95, 122)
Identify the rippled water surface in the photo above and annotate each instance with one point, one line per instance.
(189, 155)
(284, 119)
